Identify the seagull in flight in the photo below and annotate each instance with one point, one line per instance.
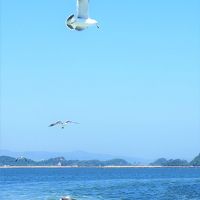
(81, 20)
(63, 124)
(21, 158)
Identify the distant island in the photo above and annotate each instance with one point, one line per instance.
(6, 161)
(60, 161)
(176, 162)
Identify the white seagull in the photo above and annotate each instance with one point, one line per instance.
(67, 198)
(81, 21)
(20, 158)
(63, 124)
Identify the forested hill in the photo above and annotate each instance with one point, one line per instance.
(196, 161)
(60, 161)
(176, 162)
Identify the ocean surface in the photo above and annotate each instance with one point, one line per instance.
(98, 183)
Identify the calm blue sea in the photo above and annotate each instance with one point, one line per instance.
(96, 184)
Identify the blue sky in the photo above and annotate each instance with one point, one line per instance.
(133, 84)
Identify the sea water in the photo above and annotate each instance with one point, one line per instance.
(100, 183)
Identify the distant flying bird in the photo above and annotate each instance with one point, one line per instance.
(63, 124)
(21, 158)
(81, 21)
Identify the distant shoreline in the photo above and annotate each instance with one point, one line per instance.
(135, 166)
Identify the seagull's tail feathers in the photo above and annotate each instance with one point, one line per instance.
(75, 122)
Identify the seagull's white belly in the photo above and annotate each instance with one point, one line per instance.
(90, 21)
(80, 25)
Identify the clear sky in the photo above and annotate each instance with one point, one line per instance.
(133, 84)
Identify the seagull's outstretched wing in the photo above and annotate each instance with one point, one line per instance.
(70, 20)
(82, 8)
(56, 123)
(71, 122)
